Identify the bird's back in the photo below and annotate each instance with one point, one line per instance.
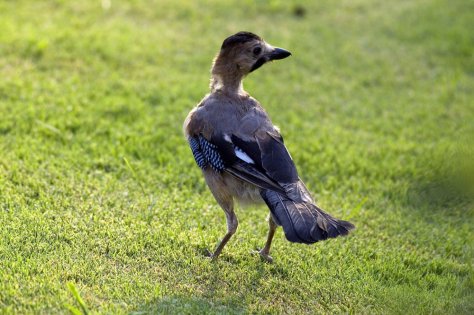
(219, 114)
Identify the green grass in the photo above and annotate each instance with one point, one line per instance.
(101, 201)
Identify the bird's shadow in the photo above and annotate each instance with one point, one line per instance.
(219, 292)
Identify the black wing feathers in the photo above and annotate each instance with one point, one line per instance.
(251, 148)
(220, 155)
(276, 160)
(270, 156)
(247, 172)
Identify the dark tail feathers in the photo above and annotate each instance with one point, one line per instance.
(303, 222)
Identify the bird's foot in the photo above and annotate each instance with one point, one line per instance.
(210, 255)
(264, 255)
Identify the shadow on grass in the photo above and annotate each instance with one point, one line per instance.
(178, 304)
(216, 291)
(437, 194)
(445, 183)
(208, 299)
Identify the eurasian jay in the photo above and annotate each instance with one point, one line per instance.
(242, 154)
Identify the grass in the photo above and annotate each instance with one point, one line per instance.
(103, 210)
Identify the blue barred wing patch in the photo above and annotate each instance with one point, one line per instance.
(206, 153)
(197, 153)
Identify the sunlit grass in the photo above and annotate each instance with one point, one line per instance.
(102, 207)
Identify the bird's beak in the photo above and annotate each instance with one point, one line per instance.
(279, 53)
(275, 54)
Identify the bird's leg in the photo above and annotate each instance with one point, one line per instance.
(232, 224)
(265, 251)
(224, 198)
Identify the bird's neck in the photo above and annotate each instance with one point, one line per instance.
(226, 78)
(226, 85)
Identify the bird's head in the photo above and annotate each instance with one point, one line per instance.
(245, 52)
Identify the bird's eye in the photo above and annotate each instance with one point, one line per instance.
(257, 50)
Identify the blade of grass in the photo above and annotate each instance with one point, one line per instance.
(135, 176)
(78, 299)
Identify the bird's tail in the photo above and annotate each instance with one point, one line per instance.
(302, 221)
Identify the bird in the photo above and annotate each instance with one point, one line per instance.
(242, 155)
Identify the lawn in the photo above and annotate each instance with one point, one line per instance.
(100, 195)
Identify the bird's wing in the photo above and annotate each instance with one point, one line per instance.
(221, 154)
(267, 154)
(261, 159)
(248, 147)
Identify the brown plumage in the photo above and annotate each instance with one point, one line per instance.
(242, 154)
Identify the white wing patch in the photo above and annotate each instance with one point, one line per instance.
(242, 155)
(227, 138)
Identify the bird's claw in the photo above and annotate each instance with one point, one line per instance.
(208, 253)
(264, 256)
